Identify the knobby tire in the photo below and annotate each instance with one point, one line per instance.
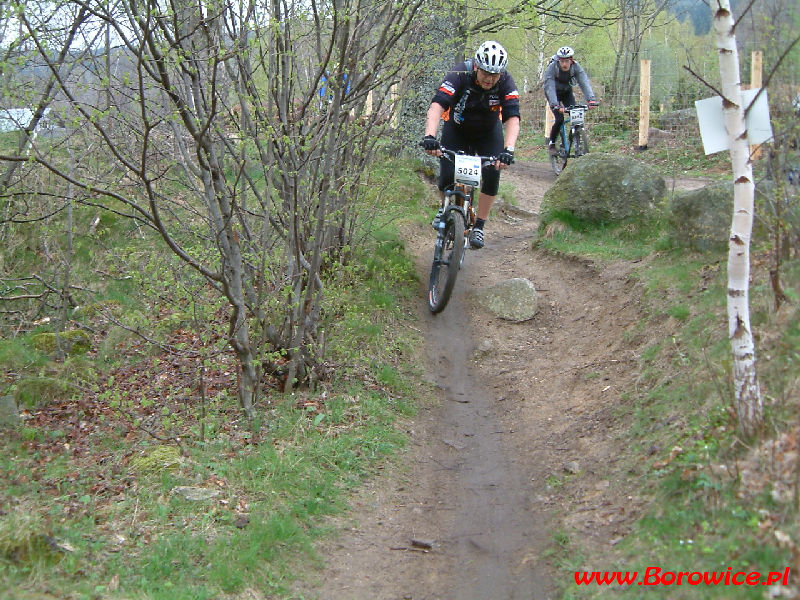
(560, 161)
(445, 270)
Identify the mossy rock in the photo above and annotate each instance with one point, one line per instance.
(34, 392)
(701, 219)
(24, 540)
(159, 458)
(74, 341)
(603, 189)
(98, 308)
(78, 368)
(9, 413)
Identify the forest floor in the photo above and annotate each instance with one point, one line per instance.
(526, 448)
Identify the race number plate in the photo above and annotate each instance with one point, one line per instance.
(576, 115)
(468, 170)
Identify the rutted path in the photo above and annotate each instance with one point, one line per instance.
(523, 442)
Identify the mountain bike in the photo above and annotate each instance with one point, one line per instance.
(572, 139)
(455, 224)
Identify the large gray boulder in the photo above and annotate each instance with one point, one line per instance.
(604, 188)
(701, 219)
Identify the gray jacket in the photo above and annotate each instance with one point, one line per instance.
(556, 80)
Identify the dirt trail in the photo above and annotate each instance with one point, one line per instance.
(524, 443)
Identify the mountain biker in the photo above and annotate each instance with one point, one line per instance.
(325, 94)
(476, 98)
(561, 75)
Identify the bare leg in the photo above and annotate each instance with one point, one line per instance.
(485, 206)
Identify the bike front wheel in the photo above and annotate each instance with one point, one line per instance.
(446, 262)
(559, 161)
(581, 142)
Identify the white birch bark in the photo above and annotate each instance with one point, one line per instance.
(749, 403)
(540, 66)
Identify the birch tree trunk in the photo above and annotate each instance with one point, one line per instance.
(749, 403)
(541, 64)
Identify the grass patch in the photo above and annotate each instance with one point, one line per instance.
(620, 241)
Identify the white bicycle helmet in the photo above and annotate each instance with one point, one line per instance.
(565, 52)
(491, 57)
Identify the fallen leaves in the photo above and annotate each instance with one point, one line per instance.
(772, 466)
(674, 453)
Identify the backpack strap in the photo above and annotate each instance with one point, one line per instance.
(458, 106)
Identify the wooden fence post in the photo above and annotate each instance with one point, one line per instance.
(549, 119)
(644, 103)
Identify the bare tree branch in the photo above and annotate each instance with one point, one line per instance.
(704, 82)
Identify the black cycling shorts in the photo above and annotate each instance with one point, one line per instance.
(491, 144)
(567, 98)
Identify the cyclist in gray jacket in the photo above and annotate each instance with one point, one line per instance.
(559, 78)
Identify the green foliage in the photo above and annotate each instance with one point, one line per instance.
(680, 311)
(382, 278)
(275, 491)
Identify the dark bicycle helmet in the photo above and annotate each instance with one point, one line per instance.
(565, 52)
(491, 57)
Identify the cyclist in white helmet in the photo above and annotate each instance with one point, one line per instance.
(561, 75)
(475, 100)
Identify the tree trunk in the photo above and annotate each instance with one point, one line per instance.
(749, 403)
(541, 63)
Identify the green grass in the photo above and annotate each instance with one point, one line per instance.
(626, 241)
(287, 485)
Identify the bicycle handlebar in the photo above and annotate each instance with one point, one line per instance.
(451, 154)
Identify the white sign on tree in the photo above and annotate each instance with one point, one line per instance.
(712, 122)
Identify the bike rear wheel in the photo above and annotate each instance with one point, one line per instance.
(559, 161)
(446, 262)
(581, 142)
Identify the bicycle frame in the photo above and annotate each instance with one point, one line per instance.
(567, 138)
(456, 222)
(460, 195)
(460, 198)
(572, 137)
